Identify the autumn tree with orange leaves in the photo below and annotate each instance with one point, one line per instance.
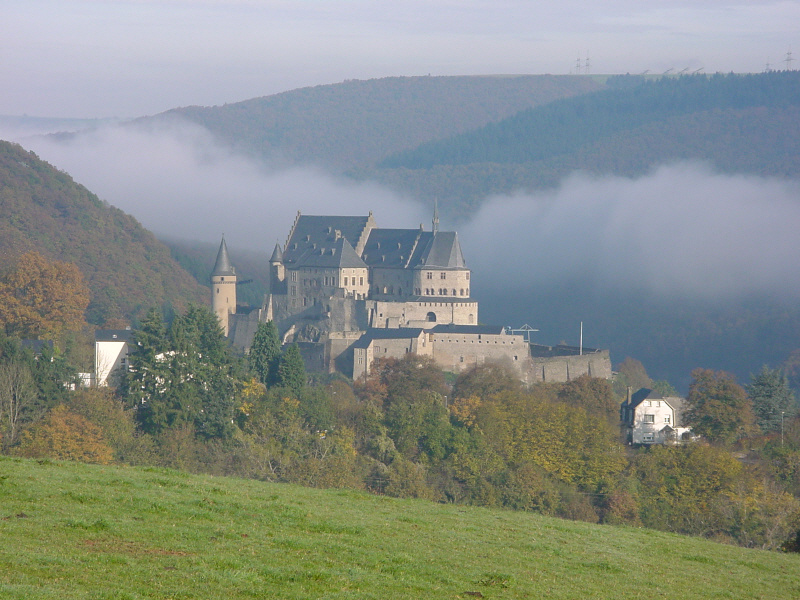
(42, 298)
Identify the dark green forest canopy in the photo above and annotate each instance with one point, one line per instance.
(565, 125)
(356, 123)
(124, 265)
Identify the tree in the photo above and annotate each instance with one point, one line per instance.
(18, 395)
(773, 400)
(593, 394)
(40, 298)
(292, 370)
(485, 380)
(718, 407)
(63, 435)
(631, 374)
(265, 353)
(184, 376)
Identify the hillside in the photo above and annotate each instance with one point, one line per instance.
(126, 268)
(737, 123)
(356, 123)
(78, 531)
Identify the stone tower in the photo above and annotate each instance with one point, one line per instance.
(223, 287)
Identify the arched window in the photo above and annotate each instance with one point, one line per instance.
(431, 318)
(471, 319)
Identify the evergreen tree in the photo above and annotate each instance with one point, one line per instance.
(772, 398)
(718, 407)
(265, 353)
(292, 370)
(184, 376)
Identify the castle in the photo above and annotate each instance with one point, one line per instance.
(348, 293)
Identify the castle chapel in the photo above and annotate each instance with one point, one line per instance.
(348, 292)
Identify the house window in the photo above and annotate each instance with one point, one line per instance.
(648, 419)
(360, 281)
(666, 419)
(648, 438)
(294, 276)
(429, 275)
(442, 275)
(345, 282)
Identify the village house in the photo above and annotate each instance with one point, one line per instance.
(647, 417)
(111, 350)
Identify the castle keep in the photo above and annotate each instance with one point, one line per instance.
(349, 292)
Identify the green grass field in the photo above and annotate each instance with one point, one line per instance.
(69, 530)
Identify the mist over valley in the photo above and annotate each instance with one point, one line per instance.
(681, 265)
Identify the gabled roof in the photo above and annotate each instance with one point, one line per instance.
(113, 335)
(223, 265)
(391, 248)
(314, 232)
(644, 394)
(337, 254)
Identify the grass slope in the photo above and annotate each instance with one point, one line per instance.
(78, 531)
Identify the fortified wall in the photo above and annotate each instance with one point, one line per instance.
(350, 293)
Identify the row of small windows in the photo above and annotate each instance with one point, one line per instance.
(442, 275)
(441, 292)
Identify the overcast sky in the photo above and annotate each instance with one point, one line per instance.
(111, 58)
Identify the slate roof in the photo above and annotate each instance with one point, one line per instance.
(113, 335)
(442, 252)
(338, 254)
(315, 232)
(36, 346)
(223, 265)
(387, 334)
(541, 351)
(277, 254)
(392, 247)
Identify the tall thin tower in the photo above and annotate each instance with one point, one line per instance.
(223, 287)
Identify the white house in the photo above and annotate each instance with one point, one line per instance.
(110, 353)
(650, 418)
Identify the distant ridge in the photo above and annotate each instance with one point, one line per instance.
(355, 124)
(737, 123)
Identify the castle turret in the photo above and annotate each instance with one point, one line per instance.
(223, 287)
(277, 271)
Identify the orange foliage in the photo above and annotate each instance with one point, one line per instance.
(40, 298)
(63, 435)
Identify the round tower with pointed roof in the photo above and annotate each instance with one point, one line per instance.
(277, 271)
(223, 287)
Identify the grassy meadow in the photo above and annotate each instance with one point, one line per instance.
(69, 530)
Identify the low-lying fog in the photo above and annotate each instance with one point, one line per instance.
(604, 250)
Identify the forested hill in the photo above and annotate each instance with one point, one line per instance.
(738, 123)
(357, 123)
(126, 268)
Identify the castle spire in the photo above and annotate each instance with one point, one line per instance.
(435, 215)
(223, 265)
(277, 254)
